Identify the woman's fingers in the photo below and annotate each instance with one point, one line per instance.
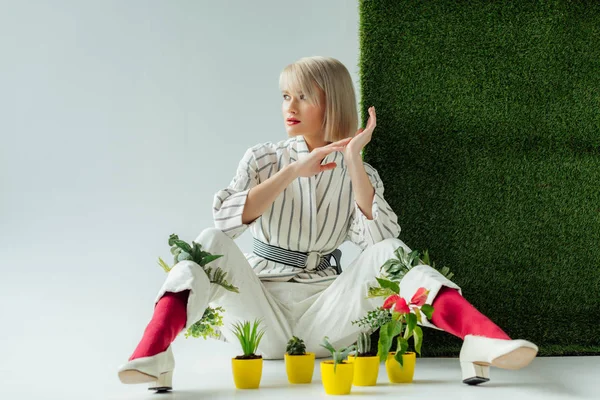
(326, 150)
(339, 142)
(372, 118)
(328, 166)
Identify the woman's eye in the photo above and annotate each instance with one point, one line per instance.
(302, 97)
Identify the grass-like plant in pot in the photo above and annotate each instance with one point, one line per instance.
(366, 362)
(247, 368)
(337, 374)
(299, 365)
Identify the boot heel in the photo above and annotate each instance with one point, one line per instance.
(474, 374)
(163, 383)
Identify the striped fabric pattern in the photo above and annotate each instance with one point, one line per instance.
(295, 258)
(315, 214)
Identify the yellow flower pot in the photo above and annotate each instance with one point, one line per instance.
(339, 382)
(401, 374)
(247, 373)
(366, 370)
(300, 368)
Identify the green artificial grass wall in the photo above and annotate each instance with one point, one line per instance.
(488, 142)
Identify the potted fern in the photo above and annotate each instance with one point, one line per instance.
(212, 319)
(337, 374)
(247, 368)
(299, 365)
(366, 362)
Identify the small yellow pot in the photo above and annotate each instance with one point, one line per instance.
(366, 370)
(300, 368)
(247, 373)
(401, 374)
(339, 382)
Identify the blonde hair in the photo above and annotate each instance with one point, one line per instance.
(308, 75)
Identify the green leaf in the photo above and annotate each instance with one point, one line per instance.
(163, 265)
(197, 252)
(389, 264)
(412, 257)
(418, 338)
(400, 253)
(379, 292)
(218, 278)
(182, 256)
(446, 272)
(183, 245)
(385, 341)
(205, 260)
(401, 347)
(386, 284)
(426, 260)
(248, 336)
(327, 345)
(427, 310)
(172, 238)
(411, 324)
(399, 359)
(344, 352)
(387, 333)
(417, 314)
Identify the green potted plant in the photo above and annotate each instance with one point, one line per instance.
(212, 319)
(400, 365)
(337, 374)
(299, 364)
(398, 319)
(247, 368)
(402, 325)
(366, 362)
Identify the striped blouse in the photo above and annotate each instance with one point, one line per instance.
(315, 214)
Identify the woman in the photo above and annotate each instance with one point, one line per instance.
(302, 198)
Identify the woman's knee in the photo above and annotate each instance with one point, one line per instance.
(208, 235)
(185, 272)
(392, 244)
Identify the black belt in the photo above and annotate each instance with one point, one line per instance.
(311, 261)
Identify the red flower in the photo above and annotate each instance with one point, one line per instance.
(398, 303)
(390, 301)
(420, 297)
(401, 306)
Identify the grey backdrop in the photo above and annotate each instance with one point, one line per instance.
(119, 121)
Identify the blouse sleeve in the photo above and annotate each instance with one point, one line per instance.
(365, 232)
(228, 204)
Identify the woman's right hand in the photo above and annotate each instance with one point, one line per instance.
(311, 165)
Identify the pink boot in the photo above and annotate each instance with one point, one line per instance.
(152, 361)
(455, 315)
(484, 343)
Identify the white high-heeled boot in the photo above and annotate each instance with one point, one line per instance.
(157, 370)
(478, 353)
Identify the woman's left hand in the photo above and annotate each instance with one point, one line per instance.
(362, 137)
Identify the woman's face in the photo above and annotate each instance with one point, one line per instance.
(300, 116)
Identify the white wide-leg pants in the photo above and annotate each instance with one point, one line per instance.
(309, 311)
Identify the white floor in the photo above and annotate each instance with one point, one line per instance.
(545, 378)
(203, 371)
(87, 369)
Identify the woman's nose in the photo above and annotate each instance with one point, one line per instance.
(293, 105)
